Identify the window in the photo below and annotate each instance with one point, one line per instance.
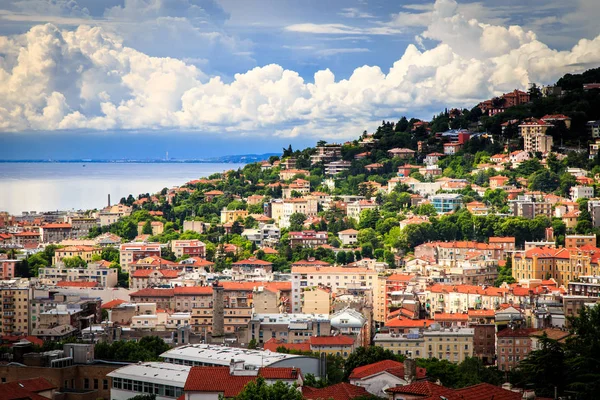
(105, 384)
(86, 383)
(96, 384)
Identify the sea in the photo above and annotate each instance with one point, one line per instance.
(80, 186)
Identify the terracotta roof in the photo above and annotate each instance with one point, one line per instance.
(481, 313)
(487, 391)
(339, 391)
(408, 323)
(554, 334)
(112, 304)
(13, 391)
(468, 289)
(219, 379)
(450, 317)
(272, 345)
(198, 262)
(505, 239)
(394, 367)
(192, 290)
(309, 263)
(400, 278)
(348, 231)
(76, 284)
(56, 226)
(36, 385)
(331, 340)
(424, 388)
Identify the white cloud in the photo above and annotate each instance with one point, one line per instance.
(89, 79)
(354, 13)
(341, 29)
(344, 50)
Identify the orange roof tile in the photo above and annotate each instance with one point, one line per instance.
(76, 284)
(395, 367)
(339, 391)
(331, 340)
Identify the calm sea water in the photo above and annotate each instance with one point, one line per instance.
(67, 186)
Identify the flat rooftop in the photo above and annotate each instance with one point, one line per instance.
(210, 354)
(156, 372)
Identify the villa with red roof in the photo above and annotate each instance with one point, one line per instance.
(377, 377)
(143, 278)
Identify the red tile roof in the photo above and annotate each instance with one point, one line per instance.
(450, 317)
(166, 273)
(394, 367)
(36, 385)
(13, 391)
(424, 388)
(331, 340)
(219, 380)
(112, 304)
(481, 313)
(339, 391)
(272, 345)
(252, 261)
(408, 323)
(487, 391)
(56, 226)
(77, 284)
(193, 290)
(522, 332)
(400, 277)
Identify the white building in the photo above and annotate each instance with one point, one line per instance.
(348, 237)
(337, 278)
(335, 167)
(581, 192)
(304, 205)
(354, 209)
(95, 272)
(163, 379)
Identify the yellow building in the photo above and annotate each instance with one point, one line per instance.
(332, 345)
(85, 252)
(317, 300)
(15, 296)
(232, 215)
(454, 345)
(562, 264)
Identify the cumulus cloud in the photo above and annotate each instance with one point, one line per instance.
(88, 79)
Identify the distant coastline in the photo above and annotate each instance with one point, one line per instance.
(231, 159)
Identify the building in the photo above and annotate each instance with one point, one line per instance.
(214, 383)
(593, 128)
(581, 192)
(164, 380)
(446, 202)
(217, 355)
(81, 226)
(327, 153)
(454, 344)
(317, 300)
(379, 376)
(54, 233)
(527, 206)
(335, 167)
(451, 149)
(230, 216)
(192, 248)
(289, 328)
(580, 240)
(98, 272)
(513, 346)
(348, 237)
(337, 278)
(108, 239)
(145, 278)
(86, 253)
(402, 153)
(354, 209)
(251, 269)
(304, 205)
(7, 268)
(15, 297)
(157, 227)
(430, 391)
(130, 253)
(339, 345)
(112, 214)
(308, 238)
(287, 174)
(352, 323)
(498, 181)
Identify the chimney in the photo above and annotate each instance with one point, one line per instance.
(410, 370)
(109, 199)
(294, 373)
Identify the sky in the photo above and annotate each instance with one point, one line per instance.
(197, 78)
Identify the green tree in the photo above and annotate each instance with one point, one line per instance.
(296, 221)
(545, 368)
(147, 228)
(74, 262)
(261, 390)
(252, 344)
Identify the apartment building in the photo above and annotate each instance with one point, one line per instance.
(230, 216)
(192, 248)
(581, 192)
(307, 238)
(335, 167)
(446, 202)
(7, 268)
(303, 205)
(55, 233)
(513, 345)
(27, 239)
(130, 253)
(15, 296)
(144, 278)
(98, 272)
(112, 214)
(461, 298)
(336, 278)
(453, 345)
(327, 153)
(563, 264)
(251, 269)
(317, 300)
(86, 253)
(580, 240)
(527, 206)
(289, 328)
(354, 209)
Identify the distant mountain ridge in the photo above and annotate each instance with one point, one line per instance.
(233, 159)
